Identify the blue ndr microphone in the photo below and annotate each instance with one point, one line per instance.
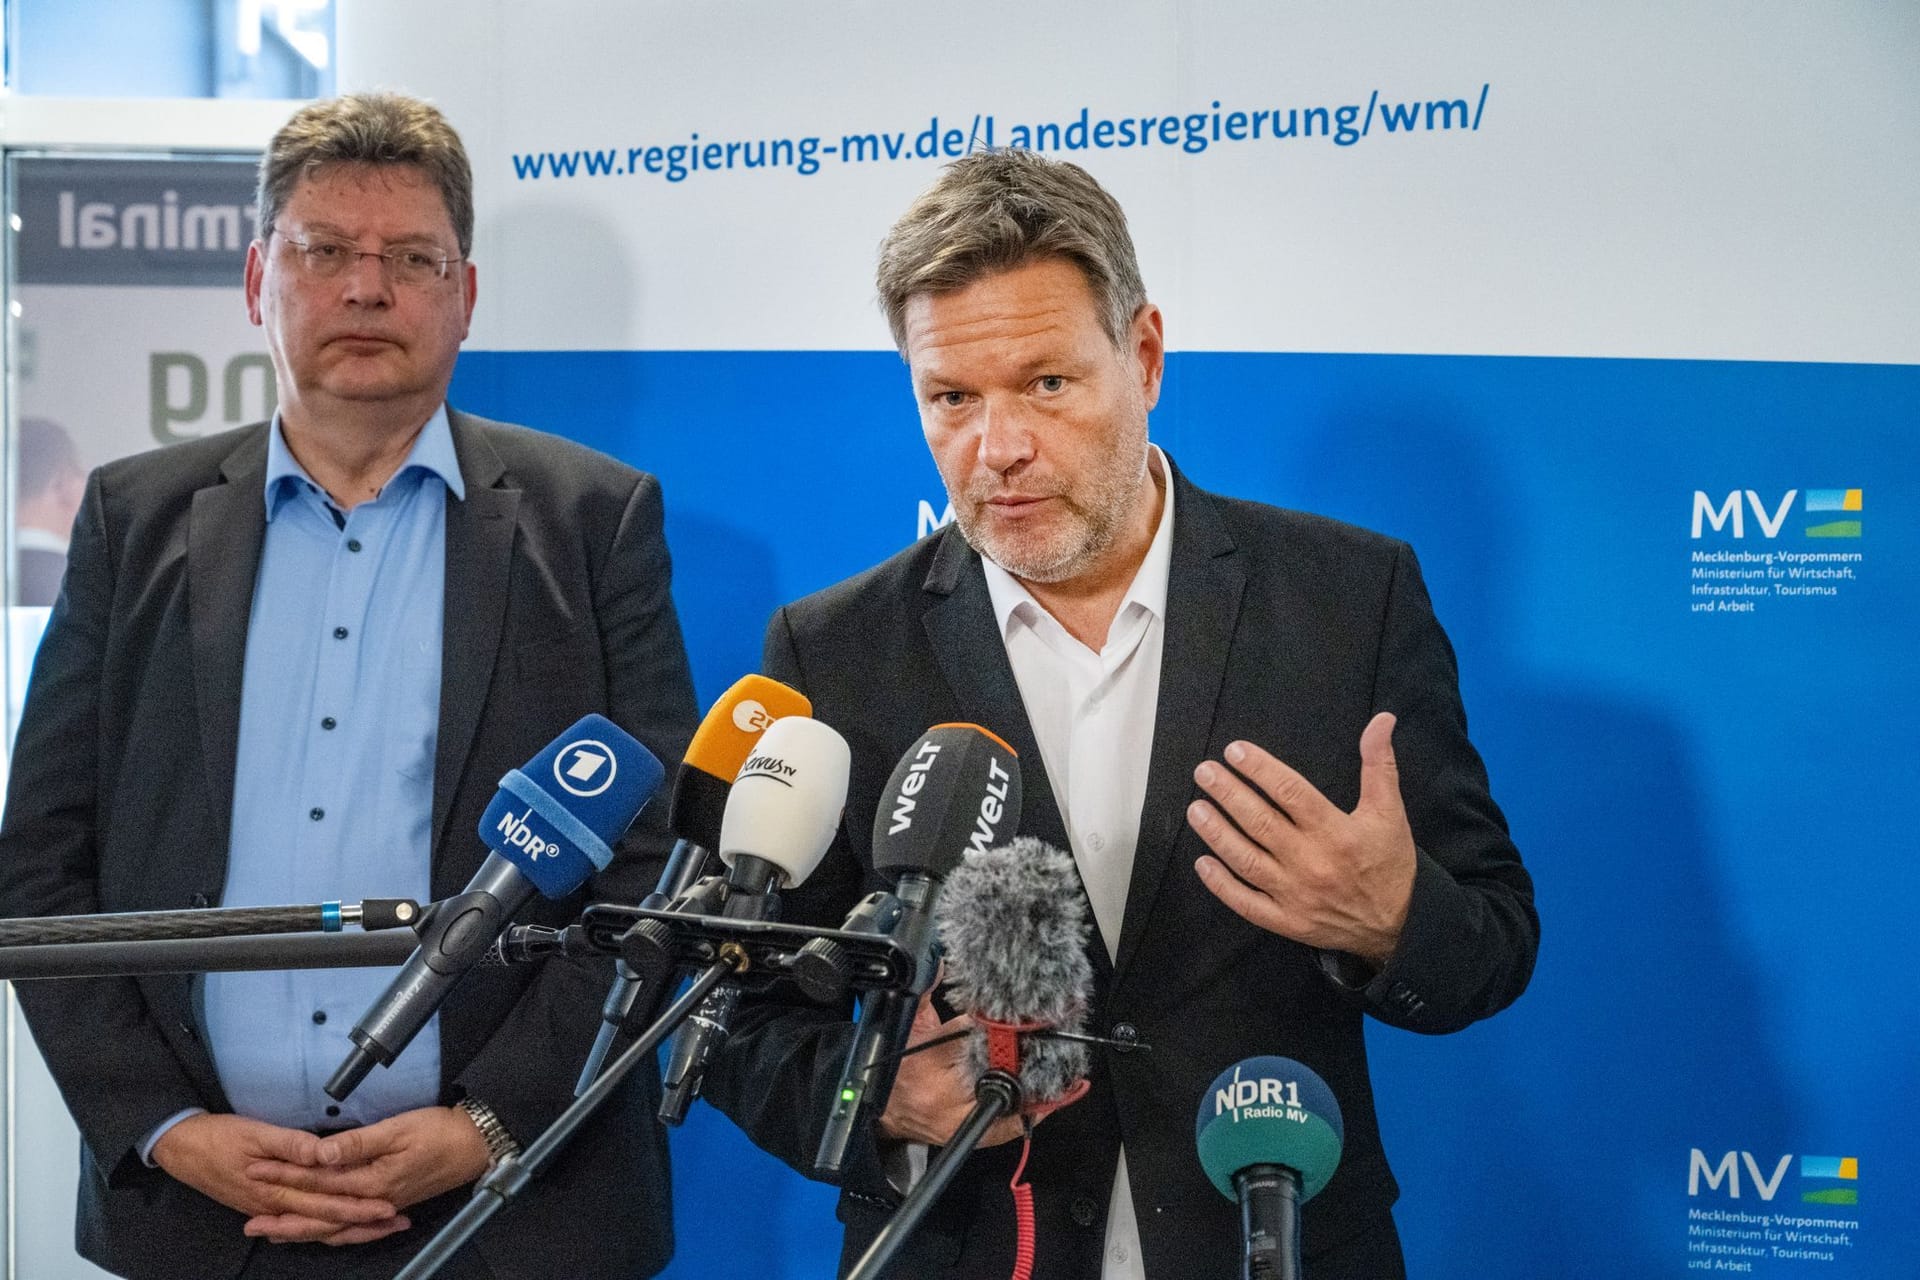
(1269, 1135)
(556, 819)
(550, 827)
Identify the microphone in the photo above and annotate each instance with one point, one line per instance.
(1269, 1134)
(779, 820)
(725, 739)
(550, 827)
(723, 742)
(1014, 923)
(957, 788)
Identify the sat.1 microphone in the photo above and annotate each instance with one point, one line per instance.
(550, 827)
(957, 788)
(1013, 920)
(780, 817)
(1269, 1135)
(720, 746)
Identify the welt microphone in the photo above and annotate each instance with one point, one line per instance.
(957, 788)
(780, 817)
(722, 744)
(1014, 922)
(1269, 1135)
(550, 827)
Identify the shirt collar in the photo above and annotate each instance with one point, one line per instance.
(432, 452)
(1149, 586)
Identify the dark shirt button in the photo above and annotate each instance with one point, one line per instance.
(187, 1029)
(1085, 1210)
(319, 1017)
(201, 898)
(316, 814)
(328, 722)
(353, 544)
(333, 1110)
(1128, 1037)
(339, 633)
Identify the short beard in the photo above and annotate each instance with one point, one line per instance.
(1101, 518)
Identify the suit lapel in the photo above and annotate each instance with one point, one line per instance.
(224, 534)
(972, 654)
(1204, 585)
(479, 550)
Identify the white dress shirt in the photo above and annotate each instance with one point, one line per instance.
(1093, 717)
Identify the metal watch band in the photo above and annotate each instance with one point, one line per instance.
(500, 1143)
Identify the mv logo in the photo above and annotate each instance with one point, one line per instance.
(1728, 1172)
(584, 768)
(1823, 1179)
(1731, 513)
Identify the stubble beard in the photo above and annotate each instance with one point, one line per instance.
(1092, 523)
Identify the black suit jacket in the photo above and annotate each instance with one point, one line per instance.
(556, 605)
(1284, 629)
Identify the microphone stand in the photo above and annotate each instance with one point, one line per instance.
(510, 1176)
(214, 939)
(998, 1094)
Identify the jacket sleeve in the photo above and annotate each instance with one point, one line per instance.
(106, 1051)
(1471, 934)
(526, 1069)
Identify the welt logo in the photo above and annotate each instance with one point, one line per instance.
(1829, 513)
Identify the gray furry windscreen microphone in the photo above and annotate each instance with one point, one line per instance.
(1014, 923)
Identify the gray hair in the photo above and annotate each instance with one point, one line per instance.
(994, 211)
(386, 129)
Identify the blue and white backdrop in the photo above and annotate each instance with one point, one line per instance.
(1614, 312)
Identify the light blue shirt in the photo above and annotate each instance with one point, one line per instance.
(333, 783)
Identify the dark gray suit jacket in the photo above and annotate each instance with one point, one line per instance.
(1284, 629)
(556, 605)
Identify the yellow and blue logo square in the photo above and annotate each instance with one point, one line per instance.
(1830, 1179)
(1839, 501)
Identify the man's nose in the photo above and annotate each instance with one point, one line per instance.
(1006, 436)
(368, 281)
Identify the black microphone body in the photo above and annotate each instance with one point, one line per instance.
(753, 893)
(457, 934)
(957, 788)
(1269, 1222)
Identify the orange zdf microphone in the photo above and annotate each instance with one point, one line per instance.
(957, 789)
(723, 742)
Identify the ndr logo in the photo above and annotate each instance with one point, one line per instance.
(1729, 515)
(1823, 1179)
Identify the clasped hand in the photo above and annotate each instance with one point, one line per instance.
(347, 1188)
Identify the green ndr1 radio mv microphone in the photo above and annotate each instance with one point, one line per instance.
(1269, 1135)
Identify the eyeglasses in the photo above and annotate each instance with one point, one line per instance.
(408, 264)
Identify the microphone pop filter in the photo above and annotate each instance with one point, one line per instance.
(1014, 922)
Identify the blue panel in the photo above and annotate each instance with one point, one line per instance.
(1711, 802)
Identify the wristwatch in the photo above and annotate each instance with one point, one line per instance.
(500, 1143)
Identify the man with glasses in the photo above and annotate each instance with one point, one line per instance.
(290, 664)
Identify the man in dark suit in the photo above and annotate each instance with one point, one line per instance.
(1186, 678)
(47, 489)
(291, 662)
